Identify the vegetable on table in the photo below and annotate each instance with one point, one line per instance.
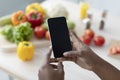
(45, 25)
(85, 39)
(58, 11)
(47, 35)
(22, 32)
(114, 50)
(35, 18)
(90, 33)
(5, 20)
(83, 10)
(71, 24)
(25, 50)
(99, 40)
(18, 17)
(39, 32)
(35, 7)
(114, 47)
(7, 32)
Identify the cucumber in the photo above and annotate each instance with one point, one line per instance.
(5, 20)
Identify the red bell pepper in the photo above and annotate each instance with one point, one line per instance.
(35, 18)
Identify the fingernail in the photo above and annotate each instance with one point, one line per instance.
(50, 47)
(65, 53)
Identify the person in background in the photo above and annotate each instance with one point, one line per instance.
(83, 56)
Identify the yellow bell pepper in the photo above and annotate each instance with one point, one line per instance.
(83, 10)
(35, 7)
(25, 50)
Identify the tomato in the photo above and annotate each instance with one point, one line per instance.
(118, 49)
(85, 39)
(89, 32)
(99, 40)
(112, 50)
(47, 35)
(39, 32)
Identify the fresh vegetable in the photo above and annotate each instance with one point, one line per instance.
(35, 7)
(17, 34)
(22, 32)
(99, 40)
(85, 39)
(7, 31)
(5, 20)
(89, 32)
(47, 35)
(58, 11)
(71, 25)
(45, 25)
(35, 18)
(18, 17)
(25, 50)
(114, 50)
(39, 32)
(83, 10)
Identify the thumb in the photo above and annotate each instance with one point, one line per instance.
(48, 55)
(71, 54)
(60, 67)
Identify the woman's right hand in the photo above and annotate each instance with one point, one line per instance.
(81, 54)
(85, 57)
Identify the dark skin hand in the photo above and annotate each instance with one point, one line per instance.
(50, 71)
(84, 57)
(81, 54)
(87, 59)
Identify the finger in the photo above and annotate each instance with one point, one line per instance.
(75, 35)
(74, 47)
(53, 66)
(71, 42)
(71, 32)
(62, 59)
(51, 60)
(76, 43)
(50, 51)
(49, 54)
(71, 54)
(60, 67)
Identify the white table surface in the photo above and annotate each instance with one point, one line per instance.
(29, 70)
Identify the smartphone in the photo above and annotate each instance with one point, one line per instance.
(59, 34)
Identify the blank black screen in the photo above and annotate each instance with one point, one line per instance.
(59, 36)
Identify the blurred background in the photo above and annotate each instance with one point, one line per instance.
(9, 6)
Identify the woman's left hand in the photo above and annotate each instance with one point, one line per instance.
(50, 71)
